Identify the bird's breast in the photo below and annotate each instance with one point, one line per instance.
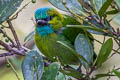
(46, 44)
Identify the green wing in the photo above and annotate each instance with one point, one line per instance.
(71, 32)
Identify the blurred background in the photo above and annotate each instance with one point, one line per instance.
(24, 24)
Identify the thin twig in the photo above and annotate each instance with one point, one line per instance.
(114, 53)
(16, 14)
(7, 37)
(102, 43)
(5, 45)
(12, 68)
(117, 68)
(104, 39)
(14, 34)
(91, 71)
(114, 35)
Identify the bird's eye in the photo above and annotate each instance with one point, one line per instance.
(42, 22)
(38, 22)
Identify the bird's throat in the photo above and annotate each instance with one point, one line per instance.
(44, 31)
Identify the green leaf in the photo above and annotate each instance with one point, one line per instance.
(118, 3)
(51, 72)
(104, 52)
(72, 72)
(7, 8)
(29, 36)
(32, 66)
(101, 75)
(71, 4)
(117, 73)
(112, 12)
(104, 7)
(84, 47)
(88, 28)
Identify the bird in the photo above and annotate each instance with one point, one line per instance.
(53, 38)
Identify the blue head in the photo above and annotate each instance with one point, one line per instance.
(42, 18)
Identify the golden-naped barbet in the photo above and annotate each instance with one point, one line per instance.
(53, 39)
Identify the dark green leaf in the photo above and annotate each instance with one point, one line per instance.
(112, 12)
(32, 66)
(7, 8)
(102, 75)
(104, 52)
(84, 47)
(71, 4)
(51, 72)
(72, 72)
(104, 7)
(87, 27)
(29, 36)
(117, 73)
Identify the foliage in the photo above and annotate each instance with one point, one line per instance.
(7, 8)
(93, 18)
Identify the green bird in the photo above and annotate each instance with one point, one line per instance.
(55, 40)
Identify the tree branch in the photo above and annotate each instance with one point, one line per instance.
(14, 34)
(6, 54)
(10, 49)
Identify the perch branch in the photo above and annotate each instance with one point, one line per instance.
(6, 54)
(10, 49)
